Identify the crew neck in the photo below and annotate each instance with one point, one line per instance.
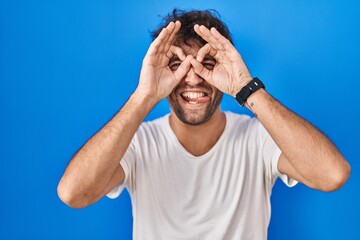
(182, 148)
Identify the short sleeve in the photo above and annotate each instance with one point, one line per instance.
(127, 163)
(270, 155)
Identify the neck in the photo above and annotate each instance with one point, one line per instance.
(199, 139)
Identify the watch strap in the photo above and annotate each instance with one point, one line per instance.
(254, 85)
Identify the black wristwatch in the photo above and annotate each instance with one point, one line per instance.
(254, 85)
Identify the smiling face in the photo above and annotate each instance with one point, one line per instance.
(194, 100)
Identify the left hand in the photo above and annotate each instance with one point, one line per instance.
(230, 73)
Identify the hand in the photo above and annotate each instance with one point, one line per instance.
(230, 73)
(157, 80)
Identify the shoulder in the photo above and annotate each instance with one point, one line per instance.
(154, 128)
(243, 127)
(155, 124)
(151, 137)
(241, 121)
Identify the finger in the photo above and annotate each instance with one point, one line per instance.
(171, 38)
(200, 33)
(200, 70)
(205, 34)
(170, 28)
(221, 39)
(197, 30)
(205, 50)
(176, 51)
(184, 68)
(154, 46)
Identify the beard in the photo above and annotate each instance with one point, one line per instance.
(195, 116)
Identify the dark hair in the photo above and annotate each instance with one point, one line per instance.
(186, 34)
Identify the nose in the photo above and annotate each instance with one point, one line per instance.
(192, 78)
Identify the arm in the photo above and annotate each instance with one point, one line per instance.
(307, 155)
(95, 165)
(95, 169)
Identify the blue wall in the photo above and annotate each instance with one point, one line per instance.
(67, 66)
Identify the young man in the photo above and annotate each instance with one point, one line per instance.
(199, 173)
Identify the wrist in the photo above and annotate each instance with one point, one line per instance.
(254, 98)
(144, 99)
(237, 88)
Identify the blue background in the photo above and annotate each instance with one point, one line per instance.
(67, 66)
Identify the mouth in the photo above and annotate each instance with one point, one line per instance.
(195, 97)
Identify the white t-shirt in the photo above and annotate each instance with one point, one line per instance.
(223, 194)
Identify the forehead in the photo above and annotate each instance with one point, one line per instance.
(193, 50)
(190, 49)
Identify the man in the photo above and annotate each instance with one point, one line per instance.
(199, 173)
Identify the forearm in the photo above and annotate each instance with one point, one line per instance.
(92, 167)
(316, 160)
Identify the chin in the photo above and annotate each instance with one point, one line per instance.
(193, 121)
(193, 117)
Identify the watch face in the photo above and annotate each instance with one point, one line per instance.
(257, 84)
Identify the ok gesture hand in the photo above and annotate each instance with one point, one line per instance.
(230, 73)
(157, 80)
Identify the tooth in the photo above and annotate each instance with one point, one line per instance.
(193, 95)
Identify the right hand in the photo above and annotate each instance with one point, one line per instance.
(157, 80)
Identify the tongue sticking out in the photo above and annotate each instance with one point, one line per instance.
(196, 100)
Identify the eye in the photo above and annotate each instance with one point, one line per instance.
(174, 65)
(208, 65)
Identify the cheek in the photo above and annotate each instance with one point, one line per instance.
(217, 96)
(215, 92)
(172, 97)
